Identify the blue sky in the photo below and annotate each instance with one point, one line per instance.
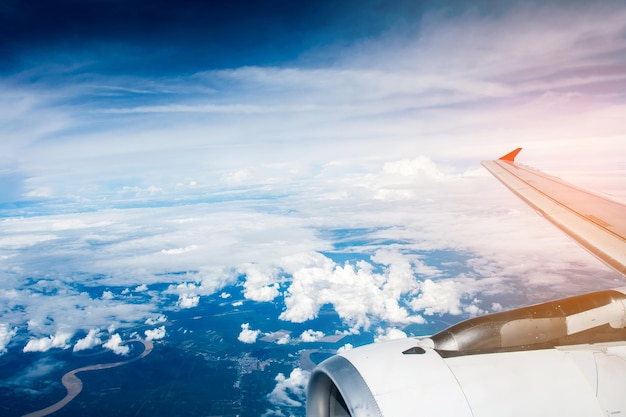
(98, 96)
(161, 38)
(141, 139)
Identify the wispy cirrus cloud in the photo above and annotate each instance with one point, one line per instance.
(453, 89)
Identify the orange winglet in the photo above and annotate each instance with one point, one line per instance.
(510, 156)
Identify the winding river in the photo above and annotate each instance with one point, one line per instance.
(74, 385)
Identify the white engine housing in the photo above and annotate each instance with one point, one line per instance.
(487, 378)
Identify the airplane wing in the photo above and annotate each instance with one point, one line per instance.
(596, 222)
(562, 357)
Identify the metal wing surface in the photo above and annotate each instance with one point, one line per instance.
(596, 222)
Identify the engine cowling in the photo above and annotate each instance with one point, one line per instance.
(474, 369)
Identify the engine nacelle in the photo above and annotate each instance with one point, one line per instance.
(474, 369)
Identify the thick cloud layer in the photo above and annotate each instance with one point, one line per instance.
(281, 250)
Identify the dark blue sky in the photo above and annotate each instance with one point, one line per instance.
(165, 37)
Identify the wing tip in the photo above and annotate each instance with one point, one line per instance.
(510, 156)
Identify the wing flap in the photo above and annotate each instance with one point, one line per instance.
(596, 222)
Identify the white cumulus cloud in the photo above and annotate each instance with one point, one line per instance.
(391, 333)
(6, 334)
(260, 284)
(187, 294)
(188, 300)
(115, 344)
(247, 335)
(155, 334)
(311, 335)
(59, 340)
(290, 391)
(346, 347)
(357, 292)
(439, 297)
(91, 340)
(159, 319)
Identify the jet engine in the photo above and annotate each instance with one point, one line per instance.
(560, 358)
